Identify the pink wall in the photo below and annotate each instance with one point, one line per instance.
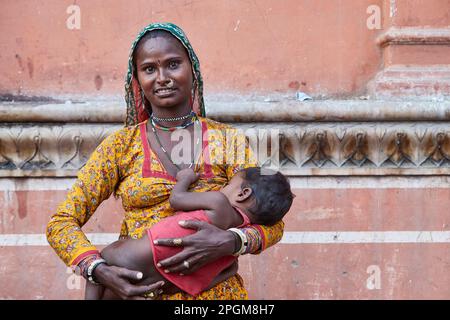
(286, 271)
(322, 47)
(430, 13)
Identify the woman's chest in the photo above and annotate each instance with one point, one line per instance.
(145, 183)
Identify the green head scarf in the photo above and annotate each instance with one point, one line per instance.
(133, 92)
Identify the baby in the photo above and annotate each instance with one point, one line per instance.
(249, 198)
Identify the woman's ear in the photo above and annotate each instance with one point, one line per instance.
(244, 194)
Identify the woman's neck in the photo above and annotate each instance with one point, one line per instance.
(171, 112)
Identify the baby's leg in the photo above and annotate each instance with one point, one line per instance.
(99, 292)
(93, 292)
(134, 255)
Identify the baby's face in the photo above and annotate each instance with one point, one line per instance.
(232, 189)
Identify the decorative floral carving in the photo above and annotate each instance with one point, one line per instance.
(299, 146)
(372, 145)
(49, 147)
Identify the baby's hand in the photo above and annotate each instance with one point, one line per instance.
(187, 174)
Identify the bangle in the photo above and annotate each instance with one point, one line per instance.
(90, 271)
(84, 264)
(243, 238)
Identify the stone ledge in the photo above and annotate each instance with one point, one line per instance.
(80, 112)
(414, 82)
(239, 111)
(414, 36)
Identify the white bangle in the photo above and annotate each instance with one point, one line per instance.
(243, 238)
(90, 271)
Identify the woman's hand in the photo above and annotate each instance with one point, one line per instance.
(206, 245)
(118, 280)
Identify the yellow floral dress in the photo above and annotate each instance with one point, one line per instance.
(125, 165)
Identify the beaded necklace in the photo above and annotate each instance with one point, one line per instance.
(170, 129)
(173, 119)
(194, 120)
(183, 126)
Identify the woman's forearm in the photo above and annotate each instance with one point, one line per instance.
(65, 237)
(260, 237)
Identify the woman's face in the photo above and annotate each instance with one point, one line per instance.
(159, 60)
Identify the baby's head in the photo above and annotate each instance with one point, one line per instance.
(265, 198)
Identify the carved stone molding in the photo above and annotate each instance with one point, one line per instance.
(412, 148)
(39, 150)
(363, 148)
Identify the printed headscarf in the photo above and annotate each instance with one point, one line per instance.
(133, 92)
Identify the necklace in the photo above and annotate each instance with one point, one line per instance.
(170, 129)
(173, 119)
(168, 155)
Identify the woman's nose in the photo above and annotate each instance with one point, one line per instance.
(162, 76)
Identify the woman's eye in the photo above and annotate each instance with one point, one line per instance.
(173, 64)
(149, 69)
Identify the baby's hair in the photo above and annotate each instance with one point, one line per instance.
(271, 192)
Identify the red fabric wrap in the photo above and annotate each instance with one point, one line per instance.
(199, 280)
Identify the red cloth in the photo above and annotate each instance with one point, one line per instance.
(199, 280)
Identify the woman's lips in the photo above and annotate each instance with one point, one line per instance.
(164, 92)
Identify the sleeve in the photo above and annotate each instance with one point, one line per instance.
(259, 237)
(96, 181)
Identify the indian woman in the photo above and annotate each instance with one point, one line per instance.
(164, 95)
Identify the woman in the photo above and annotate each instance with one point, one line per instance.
(135, 163)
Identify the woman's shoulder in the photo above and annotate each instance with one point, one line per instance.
(122, 136)
(212, 124)
(127, 131)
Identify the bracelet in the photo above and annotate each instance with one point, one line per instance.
(255, 240)
(90, 271)
(84, 264)
(244, 241)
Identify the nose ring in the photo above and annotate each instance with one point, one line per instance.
(170, 83)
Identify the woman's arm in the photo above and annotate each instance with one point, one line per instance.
(96, 182)
(210, 243)
(260, 237)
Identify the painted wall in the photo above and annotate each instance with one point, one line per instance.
(296, 270)
(321, 47)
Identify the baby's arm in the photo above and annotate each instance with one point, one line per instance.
(182, 200)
